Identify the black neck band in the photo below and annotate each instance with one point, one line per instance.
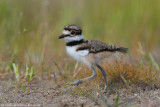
(73, 43)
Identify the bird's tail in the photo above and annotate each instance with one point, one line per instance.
(123, 50)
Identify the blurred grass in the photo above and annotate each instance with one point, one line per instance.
(38, 23)
(29, 29)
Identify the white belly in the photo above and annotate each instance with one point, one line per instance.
(78, 55)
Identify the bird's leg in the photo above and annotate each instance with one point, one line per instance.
(94, 74)
(105, 77)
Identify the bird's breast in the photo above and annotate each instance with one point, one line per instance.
(78, 55)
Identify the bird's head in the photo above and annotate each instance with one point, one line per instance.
(72, 33)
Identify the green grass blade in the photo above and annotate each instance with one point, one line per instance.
(31, 73)
(16, 70)
(117, 99)
(154, 62)
(27, 70)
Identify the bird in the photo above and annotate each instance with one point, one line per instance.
(89, 52)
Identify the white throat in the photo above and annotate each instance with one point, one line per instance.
(73, 38)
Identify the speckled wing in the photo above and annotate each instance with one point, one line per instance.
(96, 46)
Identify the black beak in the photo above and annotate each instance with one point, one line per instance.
(61, 36)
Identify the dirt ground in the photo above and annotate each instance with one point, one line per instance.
(40, 94)
(45, 93)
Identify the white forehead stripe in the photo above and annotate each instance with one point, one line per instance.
(66, 32)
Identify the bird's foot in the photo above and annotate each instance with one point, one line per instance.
(75, 82)
(105, 90)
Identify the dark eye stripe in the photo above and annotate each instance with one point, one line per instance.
(78, 33)
(74, 31)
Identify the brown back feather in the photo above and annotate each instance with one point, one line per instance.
(96, 46)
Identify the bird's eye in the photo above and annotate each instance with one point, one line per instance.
(72, 32)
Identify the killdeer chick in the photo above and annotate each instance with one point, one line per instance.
(90, 52)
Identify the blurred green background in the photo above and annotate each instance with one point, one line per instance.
(29, 29)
